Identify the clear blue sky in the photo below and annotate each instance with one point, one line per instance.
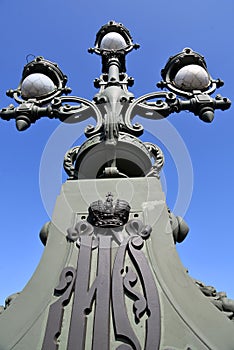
(62, 31)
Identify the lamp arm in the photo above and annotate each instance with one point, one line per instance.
(166, 103)
(24, 114)
(29, 112)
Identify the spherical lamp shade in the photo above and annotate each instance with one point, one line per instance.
(192, 77)
(36, 85)
(113, 41)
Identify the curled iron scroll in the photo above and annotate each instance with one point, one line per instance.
(75, 114)
(154, 110)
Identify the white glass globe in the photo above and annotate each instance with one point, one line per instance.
(192, 77)
(112, 41)
(36, 85)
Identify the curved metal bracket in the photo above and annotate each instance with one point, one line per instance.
(154, 110)
(74, 114)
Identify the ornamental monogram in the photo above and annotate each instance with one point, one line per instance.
(123, 278)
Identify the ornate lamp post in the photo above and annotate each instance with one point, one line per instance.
(110, 277)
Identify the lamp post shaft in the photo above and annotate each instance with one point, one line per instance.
(113, 72)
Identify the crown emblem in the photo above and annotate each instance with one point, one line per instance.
(109, 213)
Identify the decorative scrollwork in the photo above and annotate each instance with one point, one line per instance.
(136, 227)
(153, 110)
(82, 228)
(54, 323)
(123, 281)
(140, 304)
(85, 109)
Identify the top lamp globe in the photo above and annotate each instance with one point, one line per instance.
(192, 77)
(113, 41)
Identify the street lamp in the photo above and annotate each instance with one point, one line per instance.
(42, 85)
(187, 85)
(120, 253)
